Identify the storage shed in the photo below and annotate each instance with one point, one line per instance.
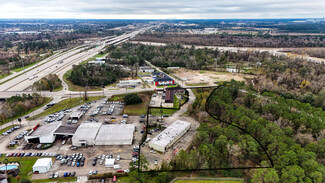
(42, 165)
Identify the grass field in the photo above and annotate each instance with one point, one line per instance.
(207, 181)
(165, 111)
(73, 87)
(5, 75)
(100, 55)
(141, 108)
(66, 103)
(26, 166)
(60, 179)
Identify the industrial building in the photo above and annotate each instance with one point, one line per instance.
(146, 69)
(170, 92)
(98, 134)
(129, 83)
(169, 136)
(42, 165)
(115, 134)
(86, 134)
(66, 130)
(43, 134)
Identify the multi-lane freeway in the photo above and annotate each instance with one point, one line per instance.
(59, 63)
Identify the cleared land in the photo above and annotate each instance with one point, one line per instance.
(206, 78)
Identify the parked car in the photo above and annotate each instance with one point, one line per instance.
(51, 175)
(56, 175)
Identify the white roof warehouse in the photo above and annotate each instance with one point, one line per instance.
(98, 134)
(169, 136)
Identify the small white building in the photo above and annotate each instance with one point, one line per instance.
(109, 162)
(42, 165)
(146, 69)
(169, 136)
(128, 83)
(43, 134)
(99, 62)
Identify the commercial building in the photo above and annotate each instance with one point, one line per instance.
(42, 165)
(129, 83)
(170, 92)
(43, 134)
(115, 134)
(98, 134)
(99, 62)
(169, 136)
(162, 79)
(66, 130)
(146, 69)
(86, 134)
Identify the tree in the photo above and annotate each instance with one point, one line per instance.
(132, 98)
(25, 181)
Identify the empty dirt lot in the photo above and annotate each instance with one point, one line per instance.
(206, 78)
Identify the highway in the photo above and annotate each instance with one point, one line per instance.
(60, 63)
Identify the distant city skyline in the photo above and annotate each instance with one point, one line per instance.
(167, 9)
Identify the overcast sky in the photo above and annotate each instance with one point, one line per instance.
(162, 9)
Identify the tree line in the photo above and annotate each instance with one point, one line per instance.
(240, 40)
(49, 82)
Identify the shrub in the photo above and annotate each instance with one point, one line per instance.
(132, 98)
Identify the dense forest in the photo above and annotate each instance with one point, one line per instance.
(19, 105)
(49, 82)
(291, 131)
(241, 40)
(96, 75)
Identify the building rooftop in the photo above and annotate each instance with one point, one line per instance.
(42, 162)
(46, 129)
(87, 130)
(114, 132)
(66, 130)
(170, 133)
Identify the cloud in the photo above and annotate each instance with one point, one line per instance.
(163, 9)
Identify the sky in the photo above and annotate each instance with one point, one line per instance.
(162, 9)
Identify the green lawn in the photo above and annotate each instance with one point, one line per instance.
(100, 55)
(5, 75)
(66, 103)
(60, 179)
(47, 100)
(141, 108)
(26, 166)
(165, 111)
(168, 86)
(176, 102)
(207, 181)
(73, 87)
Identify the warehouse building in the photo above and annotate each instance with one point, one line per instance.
(115, 134)
(66, 130)
(169, 136)
(129, 83)
(85, 134)
(42, 165)
(98, 134)
(43, 134)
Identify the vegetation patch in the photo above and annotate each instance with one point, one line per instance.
(60, 179)
(141, 108)
(18, 106)
(51, 82)
(73, 87)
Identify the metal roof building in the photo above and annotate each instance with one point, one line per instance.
(169, 136)
(115, 134)
(43, 134)
(86, 134)
(42, 165)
